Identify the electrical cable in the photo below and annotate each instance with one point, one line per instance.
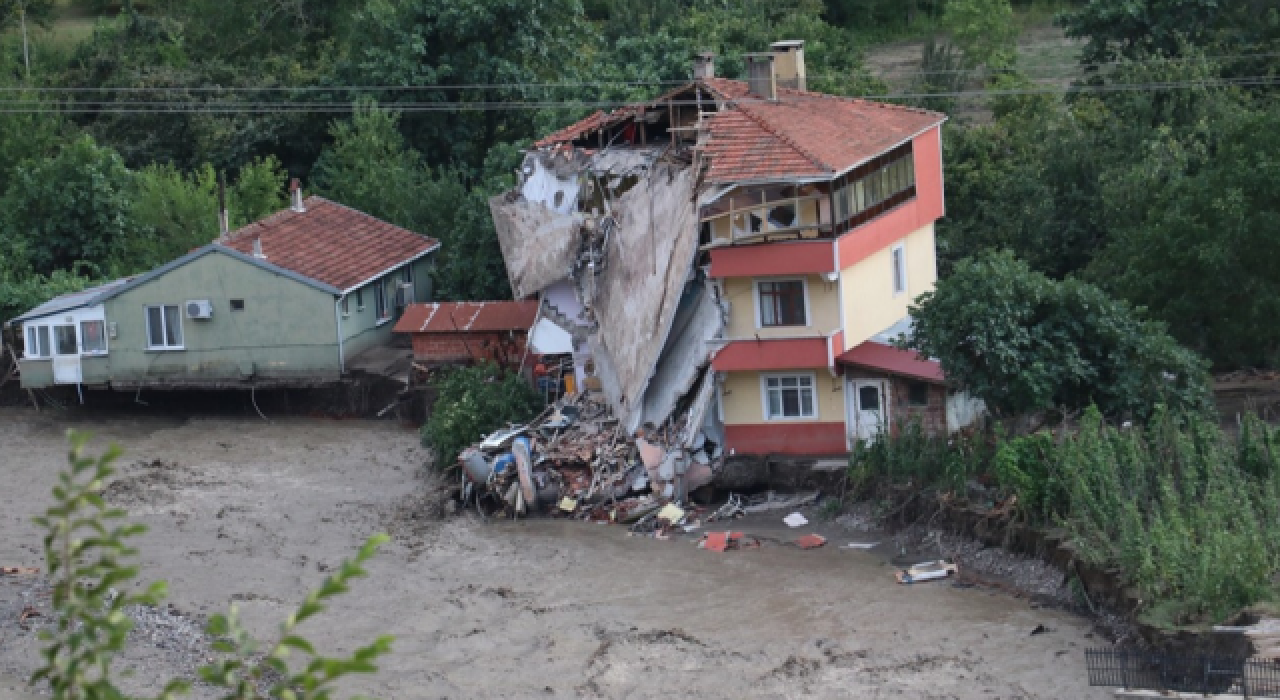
(230, 107)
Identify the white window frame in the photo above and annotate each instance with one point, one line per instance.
(898, 259)
(31, 350)
(755, 293)
(106, 342)
(764, 396)
(146, 315)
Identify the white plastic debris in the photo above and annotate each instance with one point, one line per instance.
(795, 520)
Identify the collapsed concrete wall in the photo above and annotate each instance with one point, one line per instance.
(640, 211)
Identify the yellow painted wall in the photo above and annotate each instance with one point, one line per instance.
(870, 306)
(743, 403)
(824, 309)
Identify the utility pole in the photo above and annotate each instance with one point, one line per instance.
(26, 52)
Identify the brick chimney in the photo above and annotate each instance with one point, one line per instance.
(761, 79)
(788, 63)
(704, 66)
(295, 196)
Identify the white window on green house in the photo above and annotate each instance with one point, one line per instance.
(93, 338)
(64, 340)
(38, 342)
(164, 328)
(789, 396)
(381, 310)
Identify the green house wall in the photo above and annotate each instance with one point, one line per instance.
(287, 330)
(360, 329)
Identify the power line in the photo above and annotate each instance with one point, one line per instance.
(1073, 66)
(281, 107)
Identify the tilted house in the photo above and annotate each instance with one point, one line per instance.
(284, 302)
(763, 237)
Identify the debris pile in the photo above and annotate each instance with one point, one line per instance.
(576, 460)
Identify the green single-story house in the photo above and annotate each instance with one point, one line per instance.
(283, 302)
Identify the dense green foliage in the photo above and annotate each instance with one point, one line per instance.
(90, 563)
(1189, 515)
(914, 458)
(1026, 344)
(472, 402)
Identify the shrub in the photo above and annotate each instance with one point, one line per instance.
(472, 402)
(1192, 525)
(911, 457)
(1027, 344)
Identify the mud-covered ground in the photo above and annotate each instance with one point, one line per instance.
(255, 513)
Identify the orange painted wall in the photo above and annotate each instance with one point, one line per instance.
(925, 208)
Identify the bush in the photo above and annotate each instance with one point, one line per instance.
(1192, 525)
(1028, 467)
(914, 458)
(472, 402)
(1027, 344)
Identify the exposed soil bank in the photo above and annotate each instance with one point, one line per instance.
(251, 512)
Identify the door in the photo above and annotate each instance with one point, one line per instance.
(66, 355)
(868, 409)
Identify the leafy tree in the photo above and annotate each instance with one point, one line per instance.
(1197, 238)
(1140, 28)
(984, 30)
(21, 289)
(437, 46)
(370, 167)
(1027, 344)
(172, 213)
(89, 562)
(72, 207)
(472, 402)
(22, 13)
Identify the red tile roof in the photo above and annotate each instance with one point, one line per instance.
(451, 317)
(331, 243)
(801, 134)
(886, 358)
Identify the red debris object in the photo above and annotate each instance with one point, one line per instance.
(724, 541)
(811, 541)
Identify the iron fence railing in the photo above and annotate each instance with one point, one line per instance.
(1136, 670)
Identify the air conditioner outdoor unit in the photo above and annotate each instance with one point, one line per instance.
(404, 294)
(199, 309)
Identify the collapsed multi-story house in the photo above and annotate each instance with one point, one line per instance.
(742, 255)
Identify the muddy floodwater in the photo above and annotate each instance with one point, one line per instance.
(254, 513)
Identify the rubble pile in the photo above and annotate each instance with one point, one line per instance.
(576, 460)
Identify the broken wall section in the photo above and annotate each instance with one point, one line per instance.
(633, 293)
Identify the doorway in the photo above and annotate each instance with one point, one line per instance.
(66, 355)
(868, 408)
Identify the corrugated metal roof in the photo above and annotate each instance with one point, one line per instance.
(886, 358)
(73, 300)
(468, 316)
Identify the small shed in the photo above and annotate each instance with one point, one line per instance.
(463, 332)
